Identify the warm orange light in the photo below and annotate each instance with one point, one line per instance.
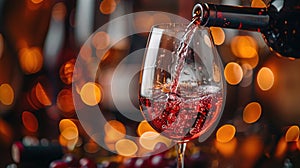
(42, 96)
(107, 6)
(292, 134)
(90, 93)
(30, 122)
(91, 147)
(258, 4)
(252, 147)
(36, 1)
(225, 133)
(281, 148)
(31, 59)
(149, 139)
(227, 149)
(265, 78)
(114, 131)
(66, 123)
(7, 94)
(66, 71)
(233, 73)
(70, 133)
(101, 40)
(143, 127)
(252, 112)
(126, 147)
(65, 101)
(218, 35)
(59, 11)
(6, 132)
(244, 47)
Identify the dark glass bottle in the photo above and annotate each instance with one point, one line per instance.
(279, 22)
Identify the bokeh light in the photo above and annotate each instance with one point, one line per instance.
(233, 73)
(252, 112)
(143, 127)
(36, 1)
(244, 47)
(114, 131)
(30, 122)
(265, 78)
(65, 101)
(7, 94)
(69, 133)
(227, 149)
(59, 11)
(31, 59)
(126, 147)
(107, 6)
(42, 95)
(101, 40)
(143, 22)
(292, 134)
(66, 71)
(218, 35)
(252, 148)
(258, 4)
(225, 133)
(149, 139)
(91, 94)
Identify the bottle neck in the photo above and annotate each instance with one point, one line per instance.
(236, 17)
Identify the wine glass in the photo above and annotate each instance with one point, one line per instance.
(182, 89)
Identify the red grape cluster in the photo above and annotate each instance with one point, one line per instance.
(71, 161)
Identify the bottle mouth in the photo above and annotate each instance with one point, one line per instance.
(197, 11)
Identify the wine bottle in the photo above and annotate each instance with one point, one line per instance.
(279, 22)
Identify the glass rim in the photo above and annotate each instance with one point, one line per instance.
(174, 26)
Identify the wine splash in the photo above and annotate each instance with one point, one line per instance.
(179, 110)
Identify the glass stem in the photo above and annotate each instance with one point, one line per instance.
(180, 147)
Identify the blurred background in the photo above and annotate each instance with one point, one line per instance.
(40, 41)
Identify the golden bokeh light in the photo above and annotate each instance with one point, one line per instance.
(233, 73)
(107, 6)
(244, 47)
(225, 133)
(42, 95)
(227, 149)
(258, 4)
(86, 52)
(7, 94)
(36, 1)
(6, 132)
(30, 122)
(292, 134)
(218, 35)
(126, 147)
(91, 94)
(265, 78)
(70, 133)
(143, 127)
(66, 71)
(66, 123)
(65, 101)
(252, 112)
(59, 11)
(31, 59)
(114, 131)
(149, 139)
(100, 40)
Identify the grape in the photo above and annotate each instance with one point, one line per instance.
(87, 163)
(58, 164)
(71, 160)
